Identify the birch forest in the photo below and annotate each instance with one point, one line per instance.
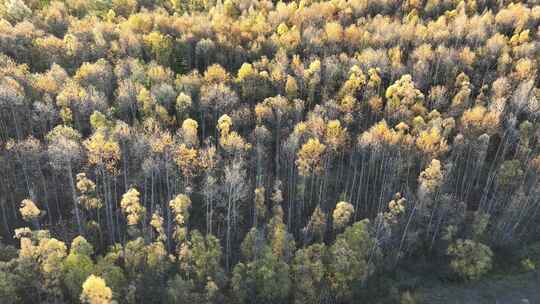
(264, 151)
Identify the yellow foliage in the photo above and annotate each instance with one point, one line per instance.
(353, 35)
(348, 104)
(29, 211)
(157, 223)
(479, 120)
(95, 291)
(216, 74)
(102, 151)
(189, 132)
(395, 57)
(246, 70)
(376, 104)
(66, 115)
(310, 157)
(51, 251)
(260, 207)
(402, 96)
(334, 32)
(37, 246)
(79, 245)
(356, 80)
(316, 126)
(224, 124)
(378, 135)
(515, 16)
(159, 74)
(234, 142)
(187, 161)
(314, 66)
(87, 187)
(207, 158)
(524, 69)
(160, 46)
(262, 111)
(467, 56)
(374, 78)
(335, 135)
(282, 29)
(180, 206)
(431, 178)
(291, 87)
(431, 142)
(131, 207)
(46, 84)
(230, 141)
(183, 102)
(535, 162)
(396, 207)
(161, 142)
(342, 214)
(288, 39)
(402, 127)
(300, 128)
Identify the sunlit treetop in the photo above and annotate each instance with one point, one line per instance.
(431, 178)
(80, 245)
(131, 206)
(396, 207)
(189, 132)
(157, 223)
(29, 211)
(378, 135)
(342, 215)
(310, 157)
(95, 291)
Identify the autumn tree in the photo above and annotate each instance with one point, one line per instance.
(64, 150)
(310, 158)
(316, 227)
(404, 99)
(95, 291)
(131, 206)
(77, 266)
(342, 215)
(309, 273)
(30, 212)
(180, 207)
(351, 259)
(470, 260)
(265, 279)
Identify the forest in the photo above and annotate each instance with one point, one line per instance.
(258, 151)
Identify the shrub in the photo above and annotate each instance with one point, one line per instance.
(469, 259)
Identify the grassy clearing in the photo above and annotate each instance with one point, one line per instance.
(508, 289)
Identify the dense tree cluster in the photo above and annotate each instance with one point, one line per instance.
(255, 151)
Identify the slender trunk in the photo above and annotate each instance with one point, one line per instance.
(404, 235)
(169, 221)
(57, 201)
(74, 197)
(112, 210)
(211, 213)
(29, 189)
(45, 194)
(125, 167)
(277, 132)
(228, 236)
(17, 130)
(4, 216)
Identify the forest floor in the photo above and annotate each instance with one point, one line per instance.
(499, 289)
